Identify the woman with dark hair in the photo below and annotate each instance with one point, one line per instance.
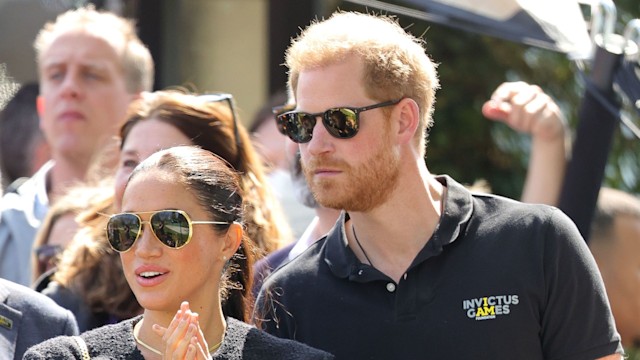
(208, 121)
(196, 198)
(158, 121)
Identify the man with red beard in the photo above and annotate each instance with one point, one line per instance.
(417, 267)
(91, 66)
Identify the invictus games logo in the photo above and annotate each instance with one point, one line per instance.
(488, 307)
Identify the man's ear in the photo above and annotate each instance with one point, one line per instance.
(408, 114)
(40, 105)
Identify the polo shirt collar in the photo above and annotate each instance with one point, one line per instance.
(458, 207)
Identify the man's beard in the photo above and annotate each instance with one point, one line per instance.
(363, 187)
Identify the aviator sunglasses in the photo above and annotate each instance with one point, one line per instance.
(173, 228)
(340, 122)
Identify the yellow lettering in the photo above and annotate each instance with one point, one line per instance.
(490, 310)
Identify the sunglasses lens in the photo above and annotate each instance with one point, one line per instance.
(281, 124)
(341, 123)
(122, 231)
(171, 227)
(299, 126)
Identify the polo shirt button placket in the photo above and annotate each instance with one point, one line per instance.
(391, 287)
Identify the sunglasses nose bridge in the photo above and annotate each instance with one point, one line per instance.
(321, 126)
(146, 231)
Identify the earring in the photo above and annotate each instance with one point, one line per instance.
(226, 264)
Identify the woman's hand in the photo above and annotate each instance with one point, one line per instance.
(183, 338)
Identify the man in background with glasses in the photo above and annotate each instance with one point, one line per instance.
(271, 144)
(417, 267)
(91, 66)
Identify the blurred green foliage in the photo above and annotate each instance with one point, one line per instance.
(469, 147)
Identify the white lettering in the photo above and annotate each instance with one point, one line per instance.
(489, 307)
(471, 313)
(467, 304)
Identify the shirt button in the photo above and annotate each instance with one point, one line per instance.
(391, 287)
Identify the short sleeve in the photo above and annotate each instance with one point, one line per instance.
(577, 322)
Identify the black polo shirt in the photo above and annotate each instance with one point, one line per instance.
(498, 279)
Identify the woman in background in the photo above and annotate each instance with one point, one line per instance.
(208, 121)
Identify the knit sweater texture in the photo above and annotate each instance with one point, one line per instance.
(241, 341)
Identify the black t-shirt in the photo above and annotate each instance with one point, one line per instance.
(498, 279)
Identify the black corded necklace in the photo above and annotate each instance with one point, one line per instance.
(360, 245)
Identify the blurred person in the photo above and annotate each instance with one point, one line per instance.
(320, 224)
(615, 237)
(527, 109)
(57, 229)
(91, 66)
(157, 121)
(23, 148)
(201, 212)
(615, 244)
(267, 139)
(413, 253)
(271, 145)
(88, 278)
(168, 118)
(60, 225)
(28, 318)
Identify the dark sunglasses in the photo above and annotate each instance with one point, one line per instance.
(46, 255)
(341, 122)
(279, 110)
(228, 98)
(173, 228)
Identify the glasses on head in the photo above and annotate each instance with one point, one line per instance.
(341, 122)
(228, 98)
(173, 228)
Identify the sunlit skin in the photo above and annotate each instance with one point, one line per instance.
(144, 139)
(356, 174)
(373, 174)
(83, 96)
(619, 262)
(147, 193)
(191, 273)
(528, 110)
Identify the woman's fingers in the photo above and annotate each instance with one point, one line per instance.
(159, 330)
(183, 339)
